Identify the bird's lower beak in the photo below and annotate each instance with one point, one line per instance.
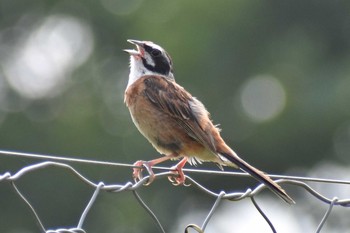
(133, 52)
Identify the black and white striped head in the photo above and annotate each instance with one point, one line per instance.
(148, 59)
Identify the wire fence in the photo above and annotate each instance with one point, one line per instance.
(98, 187)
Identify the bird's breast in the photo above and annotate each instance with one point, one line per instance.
(161, 130)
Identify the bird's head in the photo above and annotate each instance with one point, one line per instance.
(149, 59)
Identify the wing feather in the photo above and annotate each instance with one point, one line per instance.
(174, 100)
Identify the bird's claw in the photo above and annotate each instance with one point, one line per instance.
(178, 178)
(137, 171)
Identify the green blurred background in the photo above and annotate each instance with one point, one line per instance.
(274, 74)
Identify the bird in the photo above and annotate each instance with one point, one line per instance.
(176, 123)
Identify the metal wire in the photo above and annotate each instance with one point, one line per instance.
(133, 186)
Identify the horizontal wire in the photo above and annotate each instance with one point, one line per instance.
(212, 172)
(60, 158)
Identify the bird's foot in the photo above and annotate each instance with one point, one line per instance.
(179, 177)
(139, 167)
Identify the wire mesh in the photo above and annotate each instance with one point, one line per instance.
(99, 187)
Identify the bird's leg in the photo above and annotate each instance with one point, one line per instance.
(139, 165)
(177, 169)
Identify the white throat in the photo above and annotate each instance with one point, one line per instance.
(137, 70)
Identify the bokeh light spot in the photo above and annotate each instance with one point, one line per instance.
(44, 60)
(263, 98)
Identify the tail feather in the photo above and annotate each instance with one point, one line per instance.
(259, 175)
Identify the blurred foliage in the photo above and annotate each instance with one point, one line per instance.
(63, 74)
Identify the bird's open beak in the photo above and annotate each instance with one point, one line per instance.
(139, 46)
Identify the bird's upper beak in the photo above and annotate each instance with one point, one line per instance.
(139, 45)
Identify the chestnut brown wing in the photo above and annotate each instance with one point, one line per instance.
(175, 101)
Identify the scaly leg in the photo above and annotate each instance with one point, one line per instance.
(177, 169)
(137, 171)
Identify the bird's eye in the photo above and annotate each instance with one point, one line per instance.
(155, 53)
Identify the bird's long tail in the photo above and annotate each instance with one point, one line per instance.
(259, 175)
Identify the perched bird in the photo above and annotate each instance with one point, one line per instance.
(174, 122)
